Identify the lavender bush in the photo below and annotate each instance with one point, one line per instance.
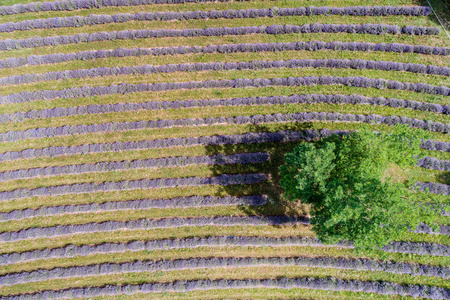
(160, 105)
(423, 228)
(219, 159)
(219, 31)
(333, 284)
(192, 201)
(418, 248)
(78, 21)
(108, 226)
(14, 62)
(125, 88)
(433, 163)
(11, 136)
(221, 262)
(224, 179)
(358, 64)
(436, 146)
(435, 188)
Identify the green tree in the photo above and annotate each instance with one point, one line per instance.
(349, 184)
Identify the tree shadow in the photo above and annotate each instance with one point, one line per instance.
(442, 9)
(276, 204)
(443, 178)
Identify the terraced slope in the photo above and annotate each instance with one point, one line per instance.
(140, 142)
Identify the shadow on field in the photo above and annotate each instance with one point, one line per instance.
(276, 204)
(443, 178)
(442, 8)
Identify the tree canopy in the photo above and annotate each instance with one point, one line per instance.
(353, 191)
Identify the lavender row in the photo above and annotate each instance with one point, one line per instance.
(70, 5)
(433, 163)
(435, 188)
(12, 136)
(79, 21)
(357, 64)
(89, 4)
(247, 138)
(192, 201)
(143, 224)
(328, 284)
(108, 226)
(408, 247)
(423, 228)
(435, 146)
(225, 179)
(164, 244)
(126, 88)
(219, 159)
(70, 251)
(140, 266)
(14, 62)
(219, 31)
(59, 112)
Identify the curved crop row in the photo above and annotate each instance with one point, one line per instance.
(126, 88)
(89, 4)
(164, 244)
(357, 64)
(12, 136)
(79, 21)
(218, 159)
(192, 201)
(222, 262)
(224, 179)
(14, 62)
(435, 188)
(70, 5)
(353, 99)
(211, 241)
(107, 226)
(331, 284)
(247, 138)
(434, 164)
(220, 31)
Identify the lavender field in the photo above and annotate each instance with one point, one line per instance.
(140, 142)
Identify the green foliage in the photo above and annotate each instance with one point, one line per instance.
(355, 186)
